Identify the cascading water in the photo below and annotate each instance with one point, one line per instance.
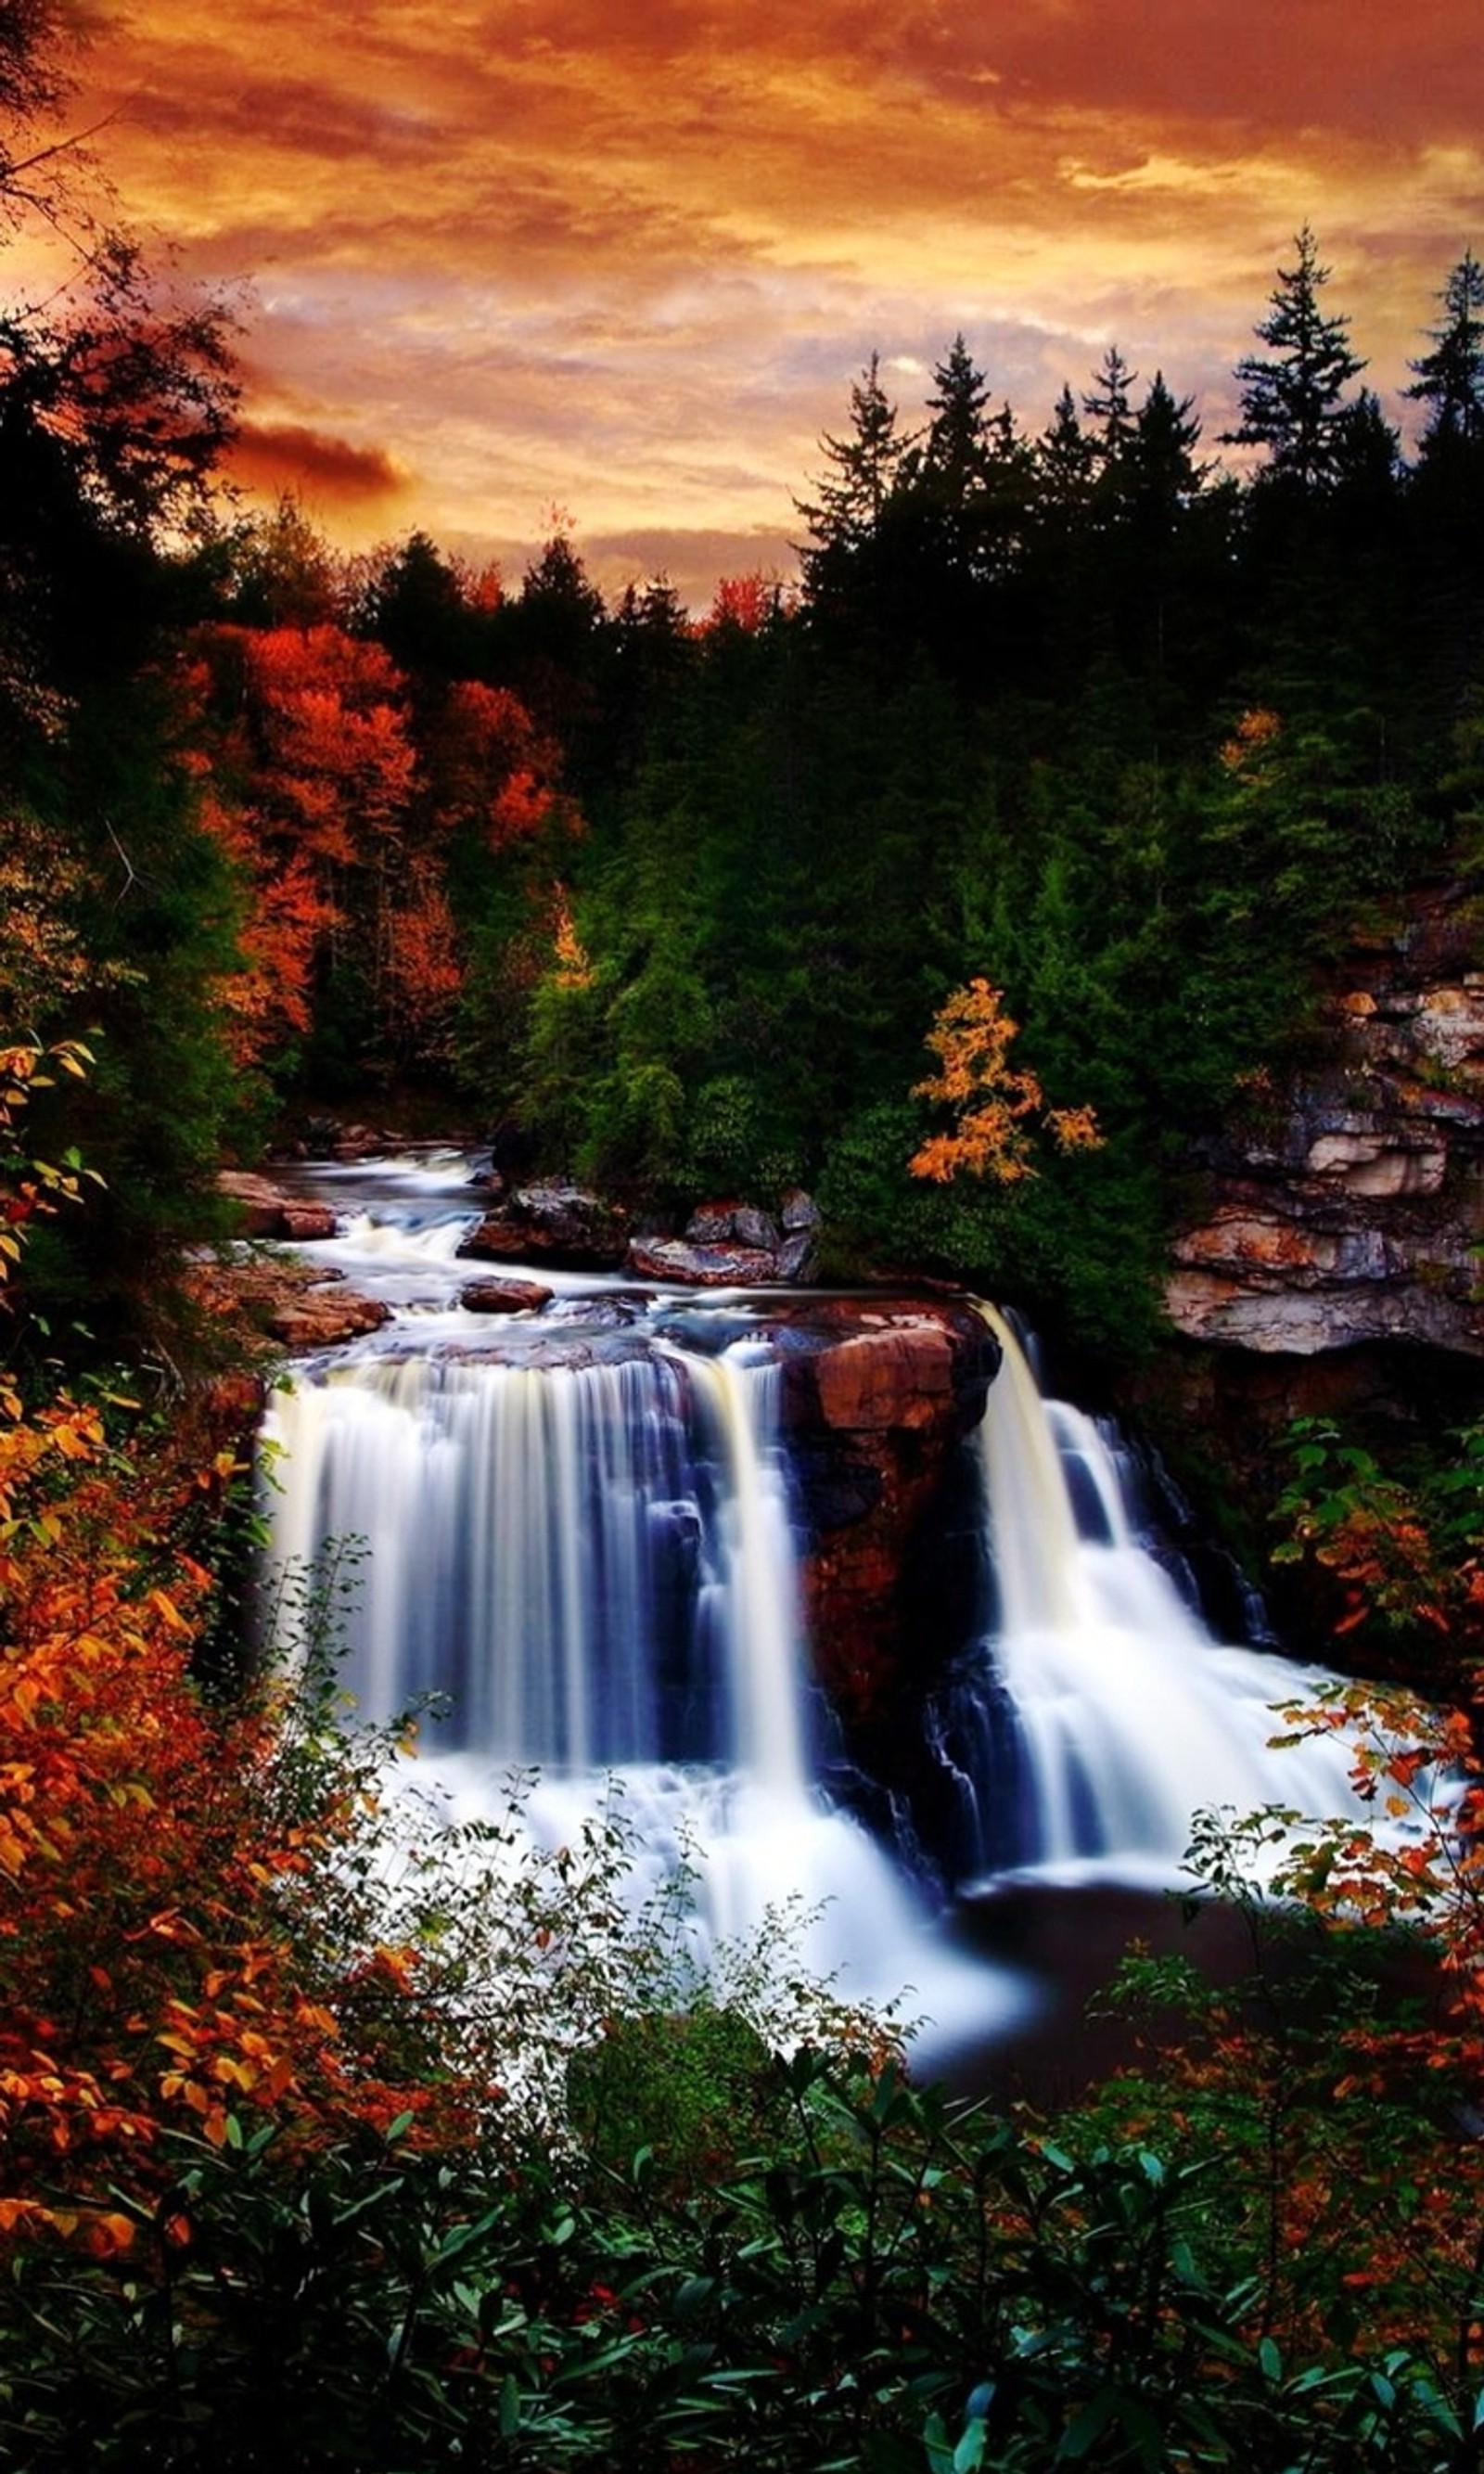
(1107, 1713)
(591, 1555)
(581, 1534)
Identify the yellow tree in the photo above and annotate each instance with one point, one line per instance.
(997, 1106)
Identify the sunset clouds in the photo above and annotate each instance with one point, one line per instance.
(626, 261)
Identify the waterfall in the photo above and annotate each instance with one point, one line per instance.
(579, 1533)
(594, 1563)
(1107, 1714)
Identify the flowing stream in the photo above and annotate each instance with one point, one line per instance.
(579, 1528)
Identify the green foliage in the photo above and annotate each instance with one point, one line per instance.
(893, 2286)
(1390, 1558)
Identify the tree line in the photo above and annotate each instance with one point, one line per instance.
(673, 900)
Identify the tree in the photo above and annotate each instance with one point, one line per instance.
(956, 454)
(281, 571)
(1165, 479)
(1449, 379)
(425, 610)
(992, 1101)
(1065, 458)
(864, 467)
(1111, 406)
(36, 39)
(1293, 396)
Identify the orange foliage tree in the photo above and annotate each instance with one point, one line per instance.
(340, 794)
(995, 1104)
(165, 1965)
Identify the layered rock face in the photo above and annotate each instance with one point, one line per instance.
(1346, 1206)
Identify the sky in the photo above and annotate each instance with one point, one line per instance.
(614, 264)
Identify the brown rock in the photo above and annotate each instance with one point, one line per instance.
(321, 1319)
(1351, 1208)
(711, 1223)
(881, 1379)
(260, 1202)
(875, 1411)
(307, 1222)
(704, 1267)
(504, 1297)
(548, 1223)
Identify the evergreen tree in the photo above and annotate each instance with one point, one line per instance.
(1065, 459)
(956, 455)
(864, 469)
(1450, 378)
(1164, 477)
(1293, 396)
(1110, 404)
(423, 609)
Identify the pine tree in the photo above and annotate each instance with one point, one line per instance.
(1293, 396)
(1164, 477)
(956, 455)
(1065, 457)
(864, 471)
(1109, 403)
(1450, 378)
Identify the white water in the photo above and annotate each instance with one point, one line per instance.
(594, 1559)
(578, 1528)
(1127, 1716)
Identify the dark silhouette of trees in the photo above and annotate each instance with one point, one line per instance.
(1449, 379)
(1293, 394)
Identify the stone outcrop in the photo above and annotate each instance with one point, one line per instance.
(551, 1223)
(267, 1211)
(736, 1246)
(1347, 1206)
(323, 1317)
(877, 1399)
(271, 1304)
(716, 1266)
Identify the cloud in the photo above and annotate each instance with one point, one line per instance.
(286, 455)
(629, 254)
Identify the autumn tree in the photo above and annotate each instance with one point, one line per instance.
(996, 1107)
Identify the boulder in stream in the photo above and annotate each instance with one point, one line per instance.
(551, 1223)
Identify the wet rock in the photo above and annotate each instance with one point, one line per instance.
(877, 1401)
(262, 1204)
(560, 1225)
(307, 1222)
(503, 1296)
(800, 1211)
(267, 1211)
(321, 1319)
(798, 1258)
(713, 1223)
(751, 1226)
(701, 1266)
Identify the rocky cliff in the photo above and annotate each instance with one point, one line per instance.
(1344, 1205)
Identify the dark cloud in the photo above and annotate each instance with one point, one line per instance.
(288, 455)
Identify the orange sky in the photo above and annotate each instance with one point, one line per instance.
(626, 259)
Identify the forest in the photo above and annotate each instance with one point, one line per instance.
(966, 882)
